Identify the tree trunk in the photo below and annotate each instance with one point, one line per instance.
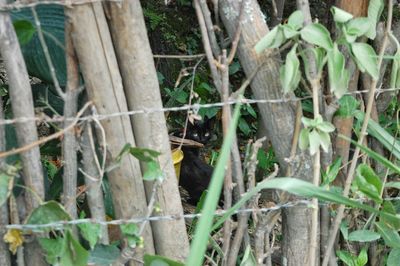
(103, 82)
(142, 91)
(280, 118)
(359, 8)
(22, 106)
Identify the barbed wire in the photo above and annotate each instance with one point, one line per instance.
(60, 224)
(195, 107)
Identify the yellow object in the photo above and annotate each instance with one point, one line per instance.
(177, 157)
(14, 238)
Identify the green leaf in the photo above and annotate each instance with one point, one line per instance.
(91, 232)
(374, 155)
(48, 212)
(375, 9)
(349, 37)
(325, 140)
(103, 255)
(290, 73)
(296, 20)
(358, 26)
(153, 171)
(391, 144)
(251, 111)
(331, 172)
(346, 257)
(52, 22)
(308, 122)
(53, 247)
(348, 106)
(244, 127)
(157, 260)
(338, 76)
(131, 232)
(273, 39)
(369, 183)
(64, 251)
(142, 154)
(366, 58)
(394, 257)
(73, 254)
(393, 185)
(300, 188)
(391, 236)
(248, 258)
(395, 73)
(24, 30)
(233, 68)
(344, 229)
(318, 35)
(304, 139)
(6, 186)
(362, 258)
(326, 127)
(288, 31)
(389, 208)
(363, 236)
(315, 141)
(340, 16)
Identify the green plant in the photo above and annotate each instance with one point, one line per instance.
(353, 260)
(325, 51)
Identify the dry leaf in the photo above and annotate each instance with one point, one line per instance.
(14, 238)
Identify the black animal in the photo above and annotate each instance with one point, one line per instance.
(195, 173)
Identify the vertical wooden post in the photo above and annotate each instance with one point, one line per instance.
(139, 76)
(94, 48)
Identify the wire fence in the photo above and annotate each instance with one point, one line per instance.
(195, 107)
(187, 107)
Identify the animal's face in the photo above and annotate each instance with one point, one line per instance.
(200, 131)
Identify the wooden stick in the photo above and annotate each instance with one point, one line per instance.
(48, 138)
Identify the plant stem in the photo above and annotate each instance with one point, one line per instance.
(349, 178)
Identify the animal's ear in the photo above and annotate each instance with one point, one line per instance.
(210, 122)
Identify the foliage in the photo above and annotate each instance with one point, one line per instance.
(315, 134)
(52, 23)
(324, 51)
(148, 157)
(62, 247)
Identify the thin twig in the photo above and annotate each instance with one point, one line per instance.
(226, 120)
(314, 80)
(190, 102)
(349, 178)
(47, 54)
(210, 28)
(206, 44)
(48, 138)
